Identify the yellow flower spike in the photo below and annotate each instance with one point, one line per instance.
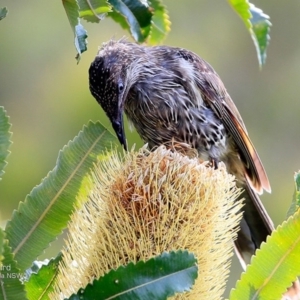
(147, 203)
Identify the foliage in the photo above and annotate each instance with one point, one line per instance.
(40, 278)
(153, 279)
(3, 12)
(148, 20)
(258, 25)
(144, 19)
(10, 279)
(296, 198)
(274, 266)
(5, 136)
(47, 209)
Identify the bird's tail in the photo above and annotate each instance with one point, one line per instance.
(255, 226)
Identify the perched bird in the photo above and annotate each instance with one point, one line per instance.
(172, 94)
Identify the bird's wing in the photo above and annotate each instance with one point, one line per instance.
(216, 96)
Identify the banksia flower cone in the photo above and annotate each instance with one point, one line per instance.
(148, 203)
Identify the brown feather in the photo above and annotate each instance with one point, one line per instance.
(173, 94)
(255, 171)
(217, 97)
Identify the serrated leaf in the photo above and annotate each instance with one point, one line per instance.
(261, 28)
(80, 40)
(275, 265)
(5, 142)
(296, 197)
(160, 24)
(137, 15)
(140, 10)
(34, 269)
(10, 276)
(258, 25)
(80, 34)
(47, 209)
(242, 8)
(119, 19)
(2, 235)
(93, 10)
(3, 12)
(157, 278)
(41, 281)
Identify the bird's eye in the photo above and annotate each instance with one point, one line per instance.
(121, 87)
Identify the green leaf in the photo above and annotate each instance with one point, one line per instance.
(136, 14)
(5, 142)
(47, 209)
(2, 235)
(275, 265)
(258, 25)
(41, 281)
(72, 11)
(34, 269)
(141, 11)
(3, 12)
(10, 275)
(80, 40)
(157, 278)
(260, 32)
(160, 23)
(93, 10)
(242, 8)
(296, 198)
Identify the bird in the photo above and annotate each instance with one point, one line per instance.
(170, 93)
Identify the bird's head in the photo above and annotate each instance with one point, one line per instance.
(110, 82)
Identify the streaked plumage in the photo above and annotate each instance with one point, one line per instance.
(172, 94)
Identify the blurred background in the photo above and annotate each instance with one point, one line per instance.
(47, 97)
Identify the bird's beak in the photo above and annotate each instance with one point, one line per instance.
(118, 126)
